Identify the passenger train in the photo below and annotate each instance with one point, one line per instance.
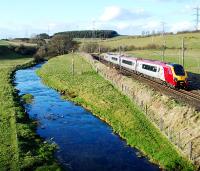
(169, 74)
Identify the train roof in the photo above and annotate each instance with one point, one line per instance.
(130, 58)
(153, 62)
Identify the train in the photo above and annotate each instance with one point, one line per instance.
(169, 74)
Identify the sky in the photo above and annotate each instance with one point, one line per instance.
(22, 18)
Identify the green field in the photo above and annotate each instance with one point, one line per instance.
(89, 89)
(192, 41)
(3, 42)
(15, 43)
(173, 44)
(9, 152)
(20, 147)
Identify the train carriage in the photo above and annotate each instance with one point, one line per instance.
(128, 62)
(113, 58)
(151, 68)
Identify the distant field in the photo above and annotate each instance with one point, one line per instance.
(192, 57)
(11, 60)
(192, 40)
(172, 54)
(2, 42)
(15, 43)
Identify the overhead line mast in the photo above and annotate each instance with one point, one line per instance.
(197, 10)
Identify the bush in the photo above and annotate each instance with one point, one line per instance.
(25, 50)
(90, 47)
(58, 45)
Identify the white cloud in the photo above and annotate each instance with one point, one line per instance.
(123, 25)
(117, 13)
(152, 25)
(181, 26)
(110, 13)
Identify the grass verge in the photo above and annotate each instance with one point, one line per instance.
(90, 90)
(20, 147)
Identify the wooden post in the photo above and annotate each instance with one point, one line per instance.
(161, 124)
(82, 67)
(142, 104)
(72, 62)
(146, 109)
(190, 150)
(163, 51)
(183, 52)
(179, 140)
(169, 133)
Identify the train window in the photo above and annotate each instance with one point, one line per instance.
(114, 59)
(127, 62)
(149, 67)
(179, 70)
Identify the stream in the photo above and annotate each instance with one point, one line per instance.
(85, 142)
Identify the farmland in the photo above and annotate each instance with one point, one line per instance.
(89, 89)
(192, 41)
(141, 47)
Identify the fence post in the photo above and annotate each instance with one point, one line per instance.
(161, 123)
(142, 104)
(122, 87)
(179, 140)
(73, 66)
(190, 150)
(169, 133)
(146, 109)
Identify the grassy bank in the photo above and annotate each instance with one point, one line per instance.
(9, 157)
(20, 147)
(89, 89)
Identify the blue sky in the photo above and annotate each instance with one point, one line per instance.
(25, 18)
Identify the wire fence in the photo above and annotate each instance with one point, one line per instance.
(178, 138)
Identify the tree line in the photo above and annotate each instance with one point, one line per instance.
(90, 34)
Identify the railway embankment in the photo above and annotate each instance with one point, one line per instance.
(178, 121)
(78, 81)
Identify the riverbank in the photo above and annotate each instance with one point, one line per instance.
(84, 86)
(20, 148)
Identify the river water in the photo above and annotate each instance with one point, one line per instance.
(85, 142)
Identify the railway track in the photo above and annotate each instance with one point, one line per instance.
(187, 97)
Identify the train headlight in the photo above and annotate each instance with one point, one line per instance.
(175, 79)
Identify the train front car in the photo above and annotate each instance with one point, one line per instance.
(180, 76)
(176, 76)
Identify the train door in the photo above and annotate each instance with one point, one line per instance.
(161, 73)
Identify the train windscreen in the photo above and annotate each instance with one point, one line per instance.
(179, 70)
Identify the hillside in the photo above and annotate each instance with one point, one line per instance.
(151, 48)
